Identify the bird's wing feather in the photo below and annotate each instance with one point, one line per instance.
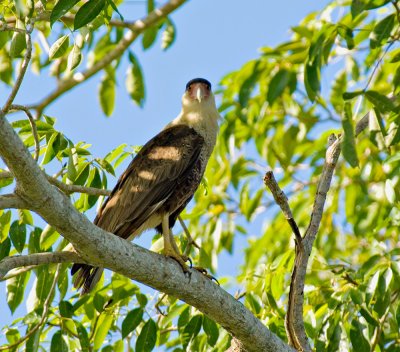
(150, 179)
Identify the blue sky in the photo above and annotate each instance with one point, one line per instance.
(213, 38)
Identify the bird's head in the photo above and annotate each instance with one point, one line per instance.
(198, 94)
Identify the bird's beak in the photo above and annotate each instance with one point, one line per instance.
(199, 94)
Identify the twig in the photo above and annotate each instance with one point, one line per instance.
(191, 241)
(282, 201)
(378, 330)
(46, 306)
(5, 27)
(157, 305)
(21, 74)
(68, 189)
(17, 271)
(33, 127)
(136, 29)
(12, 201)
(9, 263)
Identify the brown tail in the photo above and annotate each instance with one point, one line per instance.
(85, 277)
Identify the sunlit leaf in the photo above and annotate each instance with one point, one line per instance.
(349, 149)
(102, 329)
(382, 31)
(60, 9)
(88, 12)
(15, 290)
(134, 81)
(59, 48)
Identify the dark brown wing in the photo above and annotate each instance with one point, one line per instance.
(150, 179)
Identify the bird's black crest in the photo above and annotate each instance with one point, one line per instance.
(198, 80)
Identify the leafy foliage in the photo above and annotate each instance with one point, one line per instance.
(278, 110)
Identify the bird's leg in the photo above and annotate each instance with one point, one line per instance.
(170, 247)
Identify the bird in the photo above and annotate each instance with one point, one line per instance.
(160, 180)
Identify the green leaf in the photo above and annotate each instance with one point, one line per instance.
(107, 94)
(369, 317)
(88, 12)
(43, 284)
(349, 145)
(358, 341)
(48, 237)
(25, 217)
(18, 235)
(191, 330)
(18, 43)
(351, 95)
(12, 336)
(211, 329)
(5, 223)
(103, 327)
(74, 58)
(115, 8)
(131, 321)
(149, 37)
(82, 174)
(312, 79)
(5, 247)
(15, 290)
(83, 337)
(277, 85)
(134, 81)
(347, 34)
(50, 152)
(357, 6)
(169, 34)
(380, 101)
(147, 337)
(66, 309)
(356, 296)
(59, 48)
(382, 31)
(60, 9)
(58, 343)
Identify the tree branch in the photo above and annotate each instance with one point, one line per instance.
(35, 259)
(102, 248)
(67, 189)
(136, 29)
(33, 127)
(21, 74)
(294, 322)
(12, 201)
(282, 201)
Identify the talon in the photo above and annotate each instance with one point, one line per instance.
(206, 274)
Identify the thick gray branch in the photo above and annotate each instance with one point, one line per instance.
(101, 248)
(35, 259)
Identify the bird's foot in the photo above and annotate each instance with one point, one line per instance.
(206, 274)
(181, 259)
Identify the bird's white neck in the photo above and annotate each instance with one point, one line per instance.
(202, 117)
